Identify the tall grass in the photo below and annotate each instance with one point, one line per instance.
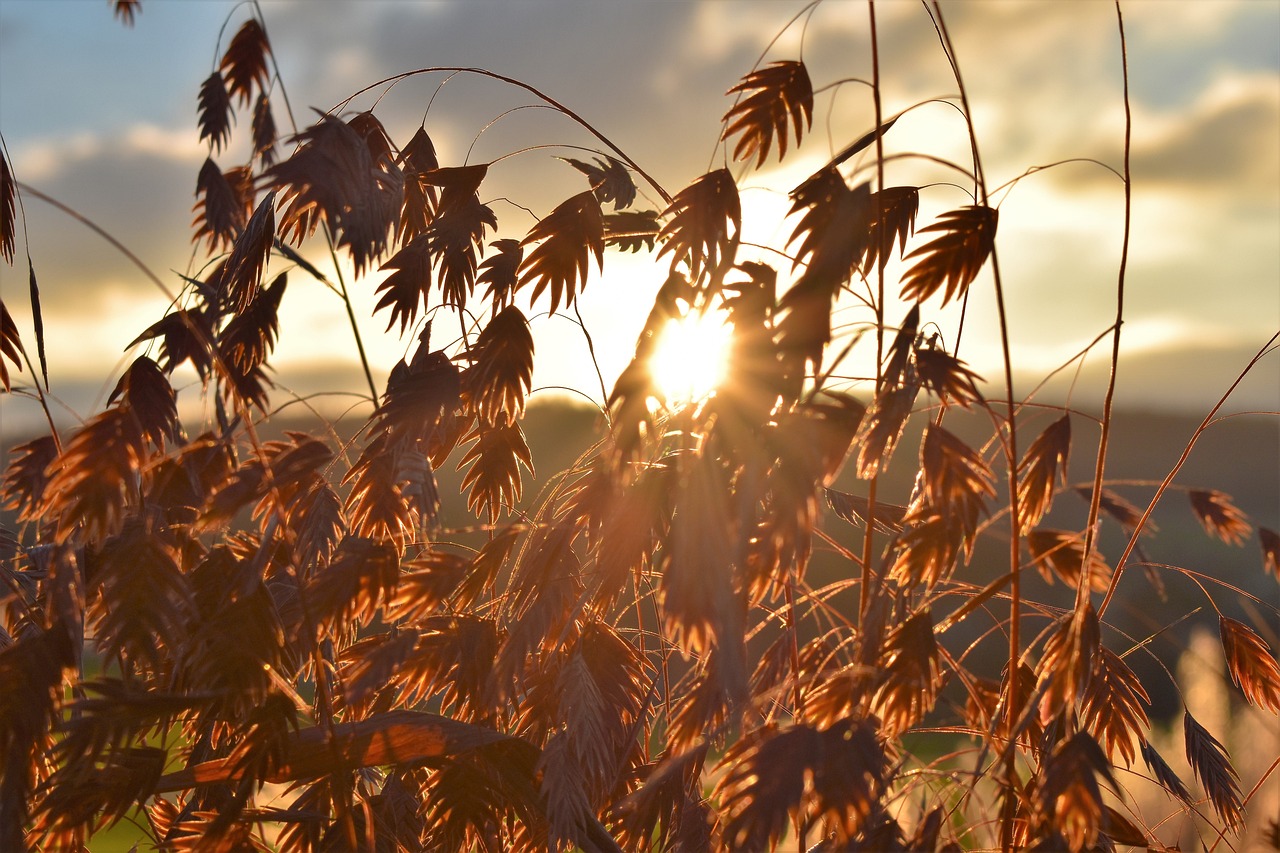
(253, 642)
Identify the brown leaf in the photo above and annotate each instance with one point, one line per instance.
(215, 112)
(493, 475)
(882, 429)
(854, 509)
(407, 287)
(610, 180)
(1209, 761)
(910, 675)
(224, 203)
(947, 377)
(242, 277)
(1111, 708)
(764, 787)
(456, 234)
(1270, 542)
(392, 737)
(144, 610)
(1061, 552)
(780, 94)
(1163, 773)
(498, 272)
(698, 231)
(1070, 792)
(1219, 516)
(10, 345)
(264, 131)
(631, 230)
(1041, 466)
(501, 373)
(893, 219)
(91, 481)
(27, 475)
(953, 259)
(361, 577)
(126, 10)
(8, 218)
(375, 506)
(567, 238)
(1252, 665)
(245, 61)
(147, 394)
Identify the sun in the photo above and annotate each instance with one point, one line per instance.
(691, 357)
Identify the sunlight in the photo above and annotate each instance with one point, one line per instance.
(691, 357)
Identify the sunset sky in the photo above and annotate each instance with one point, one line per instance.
(103, 117)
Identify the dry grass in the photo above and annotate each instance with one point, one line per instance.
(636, 658)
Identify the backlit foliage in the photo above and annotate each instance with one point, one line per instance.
(299, 643)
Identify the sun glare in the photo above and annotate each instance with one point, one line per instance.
(691, 357)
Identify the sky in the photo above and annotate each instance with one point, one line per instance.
(103, 118)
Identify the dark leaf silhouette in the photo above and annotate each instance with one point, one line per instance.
(406, 288)
(892, 221)
(264, 131)
(704, 218)
(1208, 760)
(224, 204)
(501, 373)
(631, 230)
(1270, 542)
(8, 211)
(498, 272)
(10, 345)
(245, 62)
(215, 112)
(951, 261)
(566, 239)
(610, 180)
(127, 10)
(242, 276)
(780, 96)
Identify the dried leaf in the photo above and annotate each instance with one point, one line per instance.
(1163, 773)
(631, 230)
(701, 215)
(264, 131)
(1208, 760)
(10, 345)
(501, 373)
(780, 95)
(854, 509)
(953, 259)
(1252, 665)
(147, 394)
(892, 220)
(1270, 542)
(1112, 706)
(126, 10)
(406, 288)
(1070, 792)
(8, 211)
(1061, 553)
(1041, 466)
(947, 377)
(215, 112)
(610, 180)
(242, 276)
(1219, 516)
(493, 475)
(498, 272)
(566, 238)
(245, 61)
(910, 675)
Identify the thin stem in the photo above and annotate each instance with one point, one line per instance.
(1122, 563)
(1095, 500)
(1011, 459)
(519, 84)
(868, 576)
